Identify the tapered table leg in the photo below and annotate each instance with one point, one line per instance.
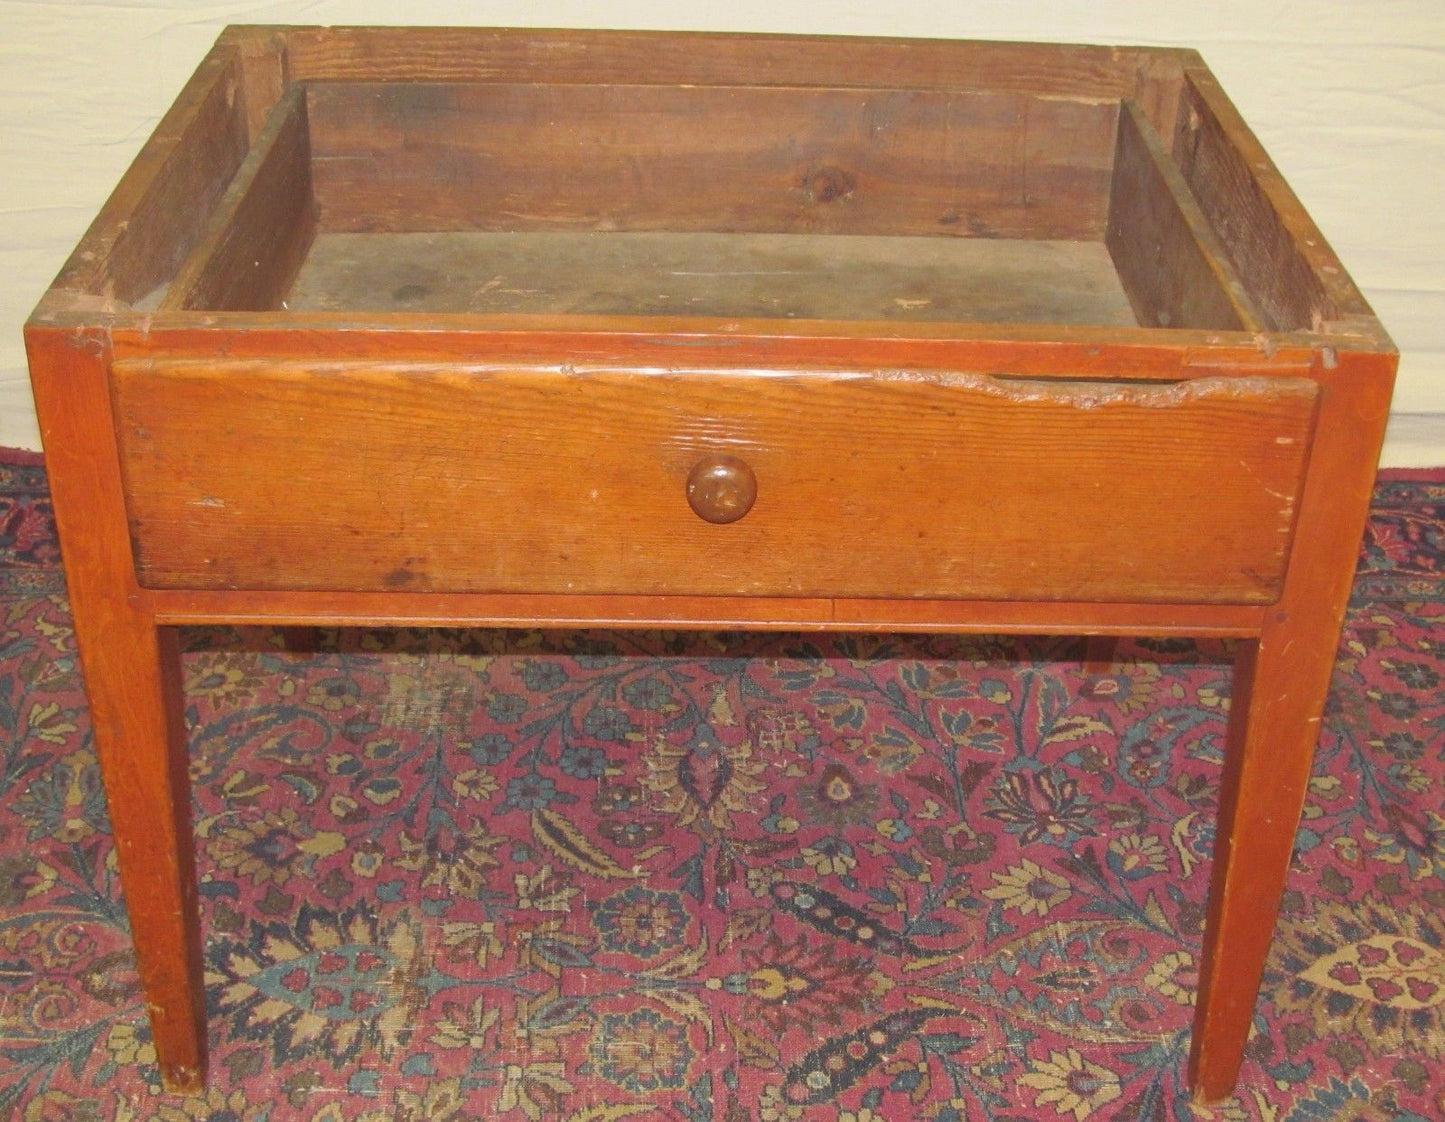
(1281, 680)
(132, 678)
(132, 674)
(1272, 733)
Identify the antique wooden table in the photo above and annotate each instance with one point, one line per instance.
(466, 327)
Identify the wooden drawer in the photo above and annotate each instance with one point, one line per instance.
(350, 476)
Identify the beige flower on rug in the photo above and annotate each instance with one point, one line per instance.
(222, 679)
(457, 865)
(1132, 686)
(442, 1099)
(536, 1089)
(269, 849)
(1071, 1084)
(703, 783)
(465, 1026)
(126, 1046)
(1137, 855)
(214, 1103)
(1029, 888)
(1174, 976)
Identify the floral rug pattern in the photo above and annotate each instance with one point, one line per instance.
(595, 876)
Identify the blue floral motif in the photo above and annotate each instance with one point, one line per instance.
(492, 748)
(530, 792)
(582, 761)
(607, 722)
(647, 693)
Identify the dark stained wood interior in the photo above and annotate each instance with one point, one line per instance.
(522, 156)
(152, 222)
(782, 276)
(1170, 261)
(582, 57)
(987, 206)
(1257, 242)
(260, 232)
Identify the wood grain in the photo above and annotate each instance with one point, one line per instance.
(731, 276)
(518, 156)
(1248, 203)
(662, 342)
(434, 54)
(699, 613)
(258, 237)
(1281, 682)
(161, 205)
(133, 683)
(261, 54)
(254, 475)
(1171, 262)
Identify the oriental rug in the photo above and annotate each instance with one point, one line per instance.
(597, 875)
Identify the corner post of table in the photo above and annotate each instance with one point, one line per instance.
(1281, 681)
(133, 681)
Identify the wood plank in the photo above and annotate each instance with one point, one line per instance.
(161, 205)
(364, 477)
(807, 276)
(258, 236)
(676, 342)
(459, 54)
(518, 156)
(1171, 262)
(1292, 274)
(708, 613)
(261, 53)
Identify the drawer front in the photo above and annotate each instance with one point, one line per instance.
(355, 476)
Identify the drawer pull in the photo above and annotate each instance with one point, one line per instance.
(721, 488)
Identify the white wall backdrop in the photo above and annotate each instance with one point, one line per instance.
(1347, 95)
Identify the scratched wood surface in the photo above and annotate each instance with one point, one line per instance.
(806, 276)
(361, 476)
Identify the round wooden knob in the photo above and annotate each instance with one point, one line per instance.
(721, 488)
